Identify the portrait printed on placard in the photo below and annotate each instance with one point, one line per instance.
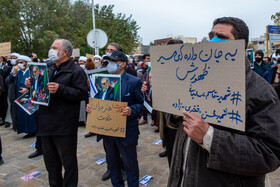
(108, 87)
(38, 83)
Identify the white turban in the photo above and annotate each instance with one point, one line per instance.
(15, 54)
(97, 56)
(82, 58)
(24, 58)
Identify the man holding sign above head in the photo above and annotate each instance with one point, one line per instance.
(209, 155)
(124, 149)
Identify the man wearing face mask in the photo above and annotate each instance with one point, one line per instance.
(11, 105)
(144, 66)
(260, 66)
(58, 122)
(25, 123)
(209, 155)
(82, 61)
(124, 149)
(97, 61)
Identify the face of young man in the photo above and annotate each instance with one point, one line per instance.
(222, 31)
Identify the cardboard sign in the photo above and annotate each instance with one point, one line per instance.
(105, 118)
(89, 56)
(207, 79)
(5, 49)
(76, 52)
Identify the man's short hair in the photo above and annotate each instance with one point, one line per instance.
(117, 46)
(240, 29)
(66, 44)
(259, 52)
(145, 55)
(174, 41)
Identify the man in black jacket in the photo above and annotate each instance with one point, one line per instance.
(58, 122)
(209, 155)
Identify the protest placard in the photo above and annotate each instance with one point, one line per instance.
(207, 79)
(105, 118)
(39, 83)
(89, 56)
(5, 49)
(76, 52)
(24, 101)
(91, 77)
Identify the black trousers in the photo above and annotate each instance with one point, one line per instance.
(116, 154)
(169, 135)
(61, 151)
(38, 144)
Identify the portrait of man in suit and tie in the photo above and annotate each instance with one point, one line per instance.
(108, 87)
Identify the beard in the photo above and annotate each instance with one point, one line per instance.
(105, 89)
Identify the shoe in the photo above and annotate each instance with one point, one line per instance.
(89, 134)
(156, 131)
(163, 154)
(35, 154)
(1, 122)
(143, 122)
(106, 176)
(29, 135)
(153, 123)
(1, 162)
(124, 175)
(7, 125)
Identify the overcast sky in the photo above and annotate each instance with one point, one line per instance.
(192, 18)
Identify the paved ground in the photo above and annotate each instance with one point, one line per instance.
(16, 150)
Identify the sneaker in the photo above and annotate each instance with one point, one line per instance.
(156, 131)
(143, 122)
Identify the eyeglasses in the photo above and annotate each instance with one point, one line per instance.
(110, 50)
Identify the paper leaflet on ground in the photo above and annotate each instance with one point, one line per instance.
(99, 162)
(31, 176)
(24, 101)
(39, 83)
(145, 180)
(158, 142)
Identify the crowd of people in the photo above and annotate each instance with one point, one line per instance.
(199, 153)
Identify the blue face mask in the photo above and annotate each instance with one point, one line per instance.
(217, 39)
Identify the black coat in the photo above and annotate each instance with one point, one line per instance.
(61, 117)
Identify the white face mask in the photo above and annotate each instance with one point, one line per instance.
(148, 63)
(112, 67)
(21, 66)
(82, 66)
(96, 61)
(13, 61)
(53, 55)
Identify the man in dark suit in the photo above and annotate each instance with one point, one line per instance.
(124, 149)
(37, 82)
(107, 92)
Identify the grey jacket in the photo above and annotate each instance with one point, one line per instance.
(236, 158)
